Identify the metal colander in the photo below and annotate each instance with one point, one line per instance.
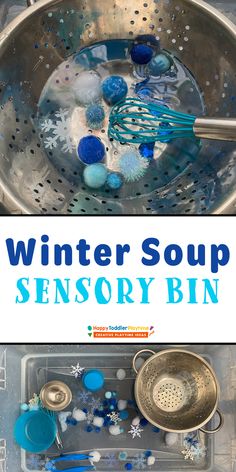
(177, 391)
(35, 179)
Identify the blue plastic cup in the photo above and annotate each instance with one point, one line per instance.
(35, 431)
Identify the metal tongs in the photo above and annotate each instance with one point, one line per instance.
(50, 465)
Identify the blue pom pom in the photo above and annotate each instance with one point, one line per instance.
(143, 422)
(114, 89)
(97, 429)
(155, 429)
(124, 414)
(141, 54)
(85, 410)
(114, 180)
(147, 150)
(89, 429)
(95, 116)
(91, 150)
(148, 38)
(128, 466)
(159, 65)
(95, 175)
(148, 453)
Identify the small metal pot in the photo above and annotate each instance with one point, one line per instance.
(177, 391)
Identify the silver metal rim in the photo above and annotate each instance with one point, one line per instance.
(43, 4)
(166, 351)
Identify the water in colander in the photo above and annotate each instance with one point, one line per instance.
(72, 107)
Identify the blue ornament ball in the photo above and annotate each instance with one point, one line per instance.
(159, 65)
(114, 89)
(95, 116)
(91, 150)
(114, 180)
(95, 175)
(147, 150)
(141, 54)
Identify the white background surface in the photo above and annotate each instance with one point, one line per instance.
(32, 322)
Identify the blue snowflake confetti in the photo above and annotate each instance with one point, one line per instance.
(139, 461)
(35, 462)
(111, 460)
(83, 396)
(95, 403)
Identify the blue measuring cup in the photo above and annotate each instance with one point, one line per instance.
(35, 431)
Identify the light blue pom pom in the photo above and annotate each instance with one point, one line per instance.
(95, 175)
(114, 180)
(159, 65)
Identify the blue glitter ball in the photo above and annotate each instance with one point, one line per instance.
(128, 466)
(147, 150)
(114, 180)
(95, 175)
(141, 54)
(124, 414)
(159, 65)
(91, 150)
(165, 130)
(114, 89)
(143, 422)
(85, 410)
(95, 116)
(89, 429)
(97, 429)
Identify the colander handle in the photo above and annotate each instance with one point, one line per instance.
(213, 431)
(30, 2)
(138, 354)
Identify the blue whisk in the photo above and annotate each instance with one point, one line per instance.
(133, 121)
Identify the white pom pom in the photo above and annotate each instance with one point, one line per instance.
(97, 421)
(79, 415)
(62, 417)
(121, 374)
(95, 456)
(87, 87)
(122, 404)
(114, 430)
(151, 460)
(136, 421)
(171, 439)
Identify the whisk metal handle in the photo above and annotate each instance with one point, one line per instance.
(215, 128)
(138, 354)
(218, 427)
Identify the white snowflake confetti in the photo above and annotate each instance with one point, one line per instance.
(135, 431)
(35, 401)
(89, 417)
(188, 454)
(77, 370)
(114, 417)
(95, 403)
(60, 130)
(139, 461)
(84, 397)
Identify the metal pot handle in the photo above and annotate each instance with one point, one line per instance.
(137, 355)
(221, 423)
